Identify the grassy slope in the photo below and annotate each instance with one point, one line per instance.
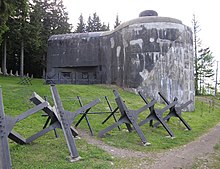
(48, 152)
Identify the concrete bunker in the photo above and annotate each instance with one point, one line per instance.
(149, 54)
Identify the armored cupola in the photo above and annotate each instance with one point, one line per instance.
(148, 13)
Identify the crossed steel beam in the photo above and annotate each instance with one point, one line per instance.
(6, 125)
(85, 115)
(129, 117)
(65, 119)
(113, 111)
(175, 111)
(157, 114)
(59, 118)
(5, 159)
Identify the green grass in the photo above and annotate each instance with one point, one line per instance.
(48, 152)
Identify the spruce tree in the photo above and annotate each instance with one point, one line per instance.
(19, 33)
(196, 44)
(205, 63)
(117, 22)
(31, 24)
(53, 20)
(81, 26)
(6, 10)
(97, 25)
(105, 27)
(94, 24)
(89, 27)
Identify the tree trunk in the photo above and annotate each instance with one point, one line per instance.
(44, 67)
(216, 80)
(4, 58)
(196, 69)
(22, 59)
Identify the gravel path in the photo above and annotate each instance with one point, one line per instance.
(178, 158)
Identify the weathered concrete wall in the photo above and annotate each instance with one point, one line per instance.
(73, 50)
(149, 54)
(74, 58)
(152, 54)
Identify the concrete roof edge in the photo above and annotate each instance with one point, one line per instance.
(72, 35)
(147, 19)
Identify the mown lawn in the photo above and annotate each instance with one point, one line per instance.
(49, 152)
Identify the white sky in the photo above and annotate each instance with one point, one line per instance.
(207, 14)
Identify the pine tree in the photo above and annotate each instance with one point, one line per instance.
(89, 27)
(94, 24)
(105, 27)
(197, 43)
(31, 24)
(203, 60)
(205, 63)
(19, 32)
(117, 22)
(6, 9)
(81, 26)
(97, 25)
(35, 46)
(53, 19)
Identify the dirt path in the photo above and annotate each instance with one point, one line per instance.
(186, 155)
(178, 158)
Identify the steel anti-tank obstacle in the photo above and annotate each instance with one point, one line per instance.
(157, 114)
(175, 111)
(58, 117)
(128, 117)
(111, 112)
(63, 119)
(5, 159)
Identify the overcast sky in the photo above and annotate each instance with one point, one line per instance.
(206, 13)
